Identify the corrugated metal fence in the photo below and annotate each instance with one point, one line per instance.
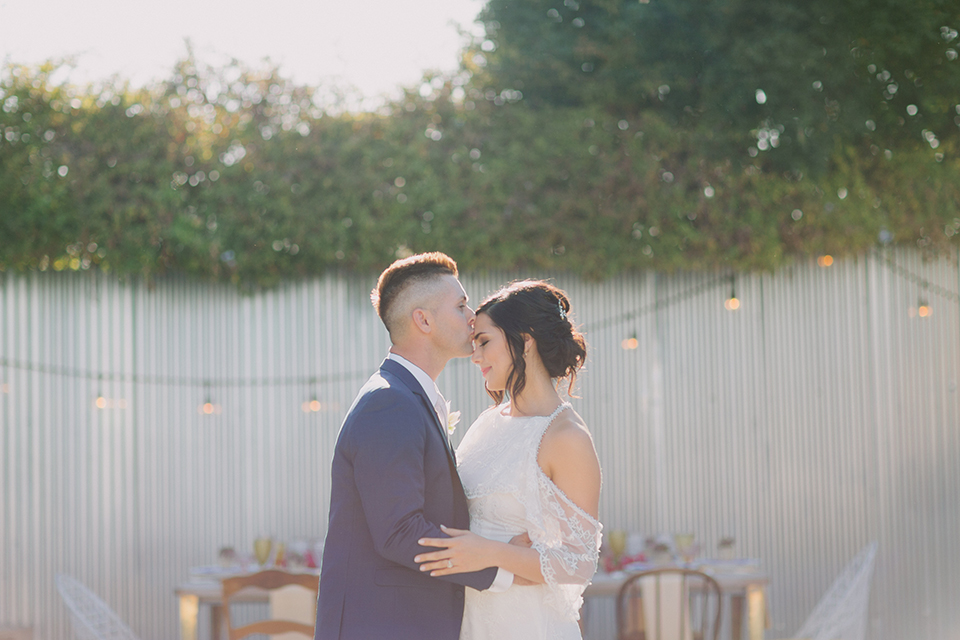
(822, 414)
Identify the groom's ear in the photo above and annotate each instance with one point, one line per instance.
(423, 320)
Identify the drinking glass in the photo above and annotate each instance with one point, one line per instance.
(261, 549)
(618, 542)
(686, 545)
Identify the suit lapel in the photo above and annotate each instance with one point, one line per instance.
(400, 372)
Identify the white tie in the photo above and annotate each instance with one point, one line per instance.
(443, 413)
(441, 408)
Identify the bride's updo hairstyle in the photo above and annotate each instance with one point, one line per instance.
(538, 309)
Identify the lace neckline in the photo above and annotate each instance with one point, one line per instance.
(506, 406)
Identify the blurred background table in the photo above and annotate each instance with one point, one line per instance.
(742, 583)
(204, 589)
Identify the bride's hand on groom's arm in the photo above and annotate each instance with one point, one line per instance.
(462, 552)
(465, 551)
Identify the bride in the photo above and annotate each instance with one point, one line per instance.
(528, 465)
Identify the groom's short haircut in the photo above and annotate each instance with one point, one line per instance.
(401, 277)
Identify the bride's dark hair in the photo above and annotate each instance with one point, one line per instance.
(538, 309)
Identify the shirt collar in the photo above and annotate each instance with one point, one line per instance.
(429, 386)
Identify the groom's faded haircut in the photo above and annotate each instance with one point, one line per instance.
(403, 274)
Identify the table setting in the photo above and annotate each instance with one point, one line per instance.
(203, 587)
(742, 580)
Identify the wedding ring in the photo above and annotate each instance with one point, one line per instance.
(449, 563)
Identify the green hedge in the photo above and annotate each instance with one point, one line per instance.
(238, 175)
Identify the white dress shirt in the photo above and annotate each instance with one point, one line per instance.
(504, 578)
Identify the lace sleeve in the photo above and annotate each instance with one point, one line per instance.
(569, 547)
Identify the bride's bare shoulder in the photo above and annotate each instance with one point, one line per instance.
(566, 438)
(568, 425)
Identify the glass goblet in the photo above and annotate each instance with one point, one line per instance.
(261, 549)
(618, 542)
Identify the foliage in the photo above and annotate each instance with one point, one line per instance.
(238, 175)
(790, 79)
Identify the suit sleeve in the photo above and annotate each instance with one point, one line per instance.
(388, 444)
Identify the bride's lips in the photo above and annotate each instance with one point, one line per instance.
(485, 370)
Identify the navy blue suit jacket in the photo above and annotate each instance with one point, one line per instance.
(394, 481)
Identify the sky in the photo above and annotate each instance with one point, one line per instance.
(372, 46)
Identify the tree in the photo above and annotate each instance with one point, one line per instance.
(789, 80)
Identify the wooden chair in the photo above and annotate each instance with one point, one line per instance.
(268, 580)
(669, 603)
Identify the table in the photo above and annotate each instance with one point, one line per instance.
(746, 591)
(207, 590)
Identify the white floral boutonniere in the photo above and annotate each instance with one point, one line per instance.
(453, 419)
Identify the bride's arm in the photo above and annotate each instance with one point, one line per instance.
(568, 457)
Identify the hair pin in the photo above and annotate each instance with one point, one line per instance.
(563, 314)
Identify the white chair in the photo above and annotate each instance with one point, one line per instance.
(841, 613)
(90, 616)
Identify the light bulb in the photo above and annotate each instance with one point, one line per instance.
(209, 409)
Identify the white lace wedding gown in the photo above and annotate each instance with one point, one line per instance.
(509, 494)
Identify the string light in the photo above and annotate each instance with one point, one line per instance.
(732, 303)
(311, 406)
(923, 310)
(103, 402)
(209, 408)
(180, 381)
(657, 305)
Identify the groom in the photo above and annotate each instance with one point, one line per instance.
(394, 477)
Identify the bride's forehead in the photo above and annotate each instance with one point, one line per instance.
(483, 321)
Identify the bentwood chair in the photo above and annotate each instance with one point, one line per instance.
(268, 580)
(91, 617)
(669, 603)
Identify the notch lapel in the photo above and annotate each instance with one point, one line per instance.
(400, 372)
